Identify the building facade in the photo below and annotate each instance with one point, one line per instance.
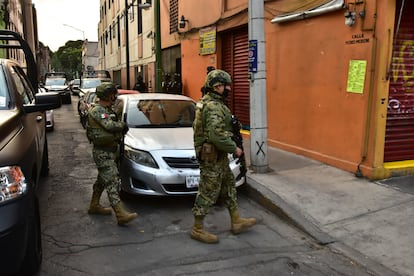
(127, 42)
(339, 73)
(90, 55)
(20, 16)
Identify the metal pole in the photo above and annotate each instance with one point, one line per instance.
(158, 58)
(127, 44)
(258, 111)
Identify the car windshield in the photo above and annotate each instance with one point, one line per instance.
(160, 113)
(55, 81)
(90, 83)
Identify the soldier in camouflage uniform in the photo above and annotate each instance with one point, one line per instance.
(105, 131)
(212, 142)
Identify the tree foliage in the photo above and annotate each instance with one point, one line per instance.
(68, 58)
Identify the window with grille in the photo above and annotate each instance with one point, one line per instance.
(173, 16)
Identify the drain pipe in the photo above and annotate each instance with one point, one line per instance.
(364, 152)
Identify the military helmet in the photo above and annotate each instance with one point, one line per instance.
(217, 77)
(105, 89)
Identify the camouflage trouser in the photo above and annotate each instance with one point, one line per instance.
(108, 175)
(216, 180)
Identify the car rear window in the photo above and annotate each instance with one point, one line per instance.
(160, 113)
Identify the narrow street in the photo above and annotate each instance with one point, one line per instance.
(158, 242)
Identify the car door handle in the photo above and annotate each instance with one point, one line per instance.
(39, 118)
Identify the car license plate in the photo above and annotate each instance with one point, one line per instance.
(192, 181)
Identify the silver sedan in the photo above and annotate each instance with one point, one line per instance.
(157, 154)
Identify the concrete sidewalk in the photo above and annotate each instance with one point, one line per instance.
(369, 222)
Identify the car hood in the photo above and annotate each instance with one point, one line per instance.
(150, 139)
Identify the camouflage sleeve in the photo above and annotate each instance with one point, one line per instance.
(101, 116)
(216, 128)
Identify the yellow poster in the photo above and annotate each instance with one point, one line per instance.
(356, 76)
(207, 41)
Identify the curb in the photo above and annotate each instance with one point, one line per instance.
(275, 204)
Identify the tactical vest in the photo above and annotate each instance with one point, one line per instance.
(99, 136)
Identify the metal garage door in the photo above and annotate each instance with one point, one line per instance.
(235, 61)
(399, 136)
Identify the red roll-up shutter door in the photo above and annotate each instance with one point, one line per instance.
(235, 61)
(399, 136)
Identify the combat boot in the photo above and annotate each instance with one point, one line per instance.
(239, 224)
(122, 216)
(95, 208)
(199, 234)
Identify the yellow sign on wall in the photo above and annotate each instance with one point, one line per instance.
(356, 76)
(207, 41)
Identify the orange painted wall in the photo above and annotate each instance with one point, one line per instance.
(309, 109)
(194, 67)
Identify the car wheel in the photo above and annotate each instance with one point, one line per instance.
(44, 171)
(34, 252)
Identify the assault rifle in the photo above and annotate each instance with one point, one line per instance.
(238, 139)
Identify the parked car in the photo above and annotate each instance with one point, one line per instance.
(86, 102)
(50, 117)
(56, 82)
(88, 84)
(100, 74)
(50, 120)
(157, 153)
(74, 86)
(23, 158)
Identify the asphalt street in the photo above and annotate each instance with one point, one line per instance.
(158, 242)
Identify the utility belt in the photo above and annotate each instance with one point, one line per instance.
(209, 153)
(109, 149)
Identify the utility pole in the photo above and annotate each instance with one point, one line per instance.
(158, 57)
(127, 43)
(257, 73)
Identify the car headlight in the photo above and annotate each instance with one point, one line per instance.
(141, 157)
(12, 183)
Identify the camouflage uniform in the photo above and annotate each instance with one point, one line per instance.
(105, 132)
(213, 125)
(213, 142)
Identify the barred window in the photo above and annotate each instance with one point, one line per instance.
(173, 16)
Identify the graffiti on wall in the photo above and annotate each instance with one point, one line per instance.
(401, 96)
(403, 65)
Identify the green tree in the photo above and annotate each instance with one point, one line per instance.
(68, 58)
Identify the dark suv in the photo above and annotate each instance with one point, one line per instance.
(23, 158)
(57, 82)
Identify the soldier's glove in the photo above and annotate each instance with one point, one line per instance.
(125, 130)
